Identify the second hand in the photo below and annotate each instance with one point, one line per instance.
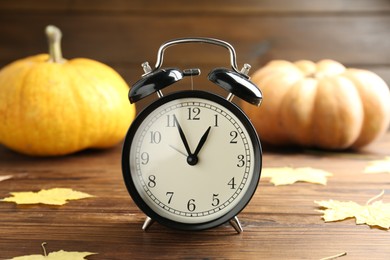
(177, 150)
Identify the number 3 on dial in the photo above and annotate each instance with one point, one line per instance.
(191, 160)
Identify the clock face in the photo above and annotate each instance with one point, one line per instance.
(191, 160)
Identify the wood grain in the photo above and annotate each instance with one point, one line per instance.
(279, 223)
(200, 7)
(124, 34)
(124, 41)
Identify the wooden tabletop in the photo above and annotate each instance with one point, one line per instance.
(280, 222)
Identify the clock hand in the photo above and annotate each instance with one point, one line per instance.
(192, 159)
(201, 142)
(177, 150)
(183, 138)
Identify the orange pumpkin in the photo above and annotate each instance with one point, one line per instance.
(322, 105)
(52, 106)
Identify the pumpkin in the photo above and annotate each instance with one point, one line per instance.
(323, 105)
(52, 106)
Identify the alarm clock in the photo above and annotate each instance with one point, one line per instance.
(192, 159)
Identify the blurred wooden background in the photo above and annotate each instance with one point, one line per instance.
(123, 34)
(280, 223)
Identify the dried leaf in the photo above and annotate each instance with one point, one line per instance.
(376, 213)
(378, 166)
(287, 175)
(56, 196)
(59, 255)
(5, 177)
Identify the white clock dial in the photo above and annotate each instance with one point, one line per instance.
(192, 160)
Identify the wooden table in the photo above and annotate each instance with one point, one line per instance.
(279, 223)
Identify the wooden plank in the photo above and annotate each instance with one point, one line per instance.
(134, 39)
(220, 7)
(279, 223)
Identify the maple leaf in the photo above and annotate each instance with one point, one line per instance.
(58, 255)
(378, 166)
(376, 213)
(55, 196)
(5, 177)
(287, 175)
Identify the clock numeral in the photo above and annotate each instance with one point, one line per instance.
(193, 113)
(170, 195)
(215, 200)
(144, 158)
(216, 121)
(152, 181)
(233, 135)
(155, 137)
(171, 121)
(241, 161)
(232, 184)
(191, 205)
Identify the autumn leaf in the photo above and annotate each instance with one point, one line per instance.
(58, 255)
(287, 175)
(379, 166)
(5, 177)
(56, 196)
(374, 213)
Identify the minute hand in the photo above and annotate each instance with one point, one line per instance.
(183, 139)
(201, 142)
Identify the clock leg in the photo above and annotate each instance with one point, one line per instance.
(236, 224)
(147, 224)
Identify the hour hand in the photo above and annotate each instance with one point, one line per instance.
(202, 141)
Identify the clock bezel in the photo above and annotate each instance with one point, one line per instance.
(127, 175)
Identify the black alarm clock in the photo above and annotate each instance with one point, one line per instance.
(192, 159)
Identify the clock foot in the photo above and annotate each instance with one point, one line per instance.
(236, 224)
(147, 224)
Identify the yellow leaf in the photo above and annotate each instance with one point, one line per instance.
(374, 214)
(287, 175)
(5, 177)
(56, 196)
(59, 255)
(379, 166)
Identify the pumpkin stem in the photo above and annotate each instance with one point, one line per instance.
(54, 36)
